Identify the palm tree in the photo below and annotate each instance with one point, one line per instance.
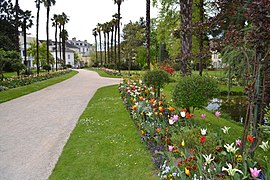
(100, 49)
(112, 25)
(201, 38)
(55, 24)
(63, 20)
(48, 4)
(108, 30)
(118, 2)
(115, 16)
(95, 35)
(37, 30)
(103, 26)
(148, 32)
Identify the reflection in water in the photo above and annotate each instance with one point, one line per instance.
(235, 106)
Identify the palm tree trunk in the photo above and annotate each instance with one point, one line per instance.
(105, 48)
(47, 32)
(25, 48)
(108, 46)
(56, 59)
(60, 42)
(37, 29)
(112, 58)
(119, 46)
(115, 55)
(148, 32)
(96, 47)
(64, 44)
(17, 25)
(100, 49)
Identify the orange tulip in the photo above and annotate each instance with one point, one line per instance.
(250, 138)
(171, 109)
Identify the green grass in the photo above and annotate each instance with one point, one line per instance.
(10, 74)
(105, 144)
(23, 90)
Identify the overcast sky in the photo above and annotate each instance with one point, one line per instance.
(85, 14)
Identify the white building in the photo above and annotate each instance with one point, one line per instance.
(216, 60)
(85, 48)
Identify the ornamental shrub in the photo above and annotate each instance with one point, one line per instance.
(157, 79)
(195, 91)
(47, 67)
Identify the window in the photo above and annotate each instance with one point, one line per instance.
(68, 56)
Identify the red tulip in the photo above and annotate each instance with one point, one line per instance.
(202, 140)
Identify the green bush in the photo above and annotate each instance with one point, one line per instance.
(195, 91)
(47, 67)
(157, 79)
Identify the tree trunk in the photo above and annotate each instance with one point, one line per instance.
(25, 48)
(17, 25)
(104, 40)
(148, 32)
(60, 42)
(100, 49)
(115, 55)
(37, 31)
(64, 45)
(186, 35)
(119, 46)
(108, 46)
(47, 32)
(56, 59)
(201, 38)
(112, 57)
(96, 47)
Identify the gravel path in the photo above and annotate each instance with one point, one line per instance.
(34, 128)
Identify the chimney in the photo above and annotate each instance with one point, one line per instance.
(74, 39)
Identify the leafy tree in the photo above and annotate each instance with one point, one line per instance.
(42, 54)
(148, 32)
(11, 57)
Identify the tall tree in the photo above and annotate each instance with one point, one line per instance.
(94, 32)
(148, 32)
(48, 4)
(63, 20)
(100, 49)
(37, 33)
(112, 26)
(201, 38)
(119, 2)
(17, 24)
(108, 30)
(115, 16)
(103, 26)
(55, 24)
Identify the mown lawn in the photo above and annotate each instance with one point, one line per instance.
(105, 144)
(23, 90)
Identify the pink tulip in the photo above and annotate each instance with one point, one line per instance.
(254, 172)
(203, 116)
(217, 113)
(175, 118)
(170, 148)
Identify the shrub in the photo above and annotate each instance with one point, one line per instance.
(168, 69)
(157, 79)
(47, 67)
(69, 66)
(195, 91)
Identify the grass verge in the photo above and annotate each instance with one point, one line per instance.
(105, 144)
(23, 90)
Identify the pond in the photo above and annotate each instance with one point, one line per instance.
(234, 106)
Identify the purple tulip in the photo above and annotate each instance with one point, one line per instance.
(238, 142)
(175, 118)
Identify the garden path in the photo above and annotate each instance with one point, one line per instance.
(34, 128)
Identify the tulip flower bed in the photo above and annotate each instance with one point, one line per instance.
(181, 149)
(10, 83)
